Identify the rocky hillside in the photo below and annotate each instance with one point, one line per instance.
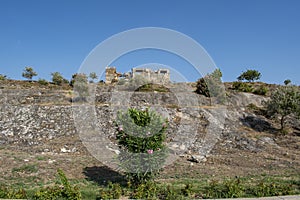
(41, 128)
(35, 116)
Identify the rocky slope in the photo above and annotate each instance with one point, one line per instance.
(41, 127)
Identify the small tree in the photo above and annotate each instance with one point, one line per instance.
(93, 76)
(211, 86)
(29, 73)
(287, 82)
(58, 79)
(250, 75)
(141, 136)
(284, 101)
(80, 84)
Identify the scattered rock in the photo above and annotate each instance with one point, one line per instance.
(197, 158)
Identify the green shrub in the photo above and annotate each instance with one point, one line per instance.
(141, 134)
(113, 191)
(287, 82)
(80, 84)
(242, 87)
(262, 90)
(62, 191)
(272, 189)
(250, 75)
(3, 77)
(227, 189)
(145, 191)
(211, 86)
(187, 191)
(58, 79)
(9, 193)
(169, 193)
(150, 87)
(43, 82)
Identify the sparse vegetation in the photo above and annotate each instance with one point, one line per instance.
(250, 75)
(211, 86)
(31, 168)
(29, 73)
(151, 87)
(58, 79)
(62, 191)
(136, 82)
(3, 77)
(285, 101)
(43, 82)
(262, 90)
(242, 87)
(80, 84)
(11, 193)
(284, 104)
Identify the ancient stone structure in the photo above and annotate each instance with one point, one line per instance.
(160, 76)
(111, 75)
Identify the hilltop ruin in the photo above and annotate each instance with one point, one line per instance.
(159, 76)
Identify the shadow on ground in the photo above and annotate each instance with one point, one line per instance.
(102, 175)
(258, 124)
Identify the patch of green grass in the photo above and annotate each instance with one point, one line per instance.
(40, 158)
(30, 168)
(181, 188)
(150, 87)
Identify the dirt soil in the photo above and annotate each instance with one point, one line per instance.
(37, 166)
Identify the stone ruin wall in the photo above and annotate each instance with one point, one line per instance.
(159, 76)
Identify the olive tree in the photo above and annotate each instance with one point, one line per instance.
(250, 75)
(29, 73)
(211, 86)
(284, 101)
(58, 79)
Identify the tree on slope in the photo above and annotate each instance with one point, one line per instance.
(284, 102)
(29, 73)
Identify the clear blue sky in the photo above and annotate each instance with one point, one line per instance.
(57, 35)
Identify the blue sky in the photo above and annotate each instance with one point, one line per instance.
(57, 35)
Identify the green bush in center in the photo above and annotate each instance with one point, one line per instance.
(141, 136)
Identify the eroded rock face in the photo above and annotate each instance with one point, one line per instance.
(33, 117)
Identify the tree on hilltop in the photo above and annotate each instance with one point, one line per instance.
(29, 73)
(211, 86)
(287, 82)
(58, 79)
(250, 75)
